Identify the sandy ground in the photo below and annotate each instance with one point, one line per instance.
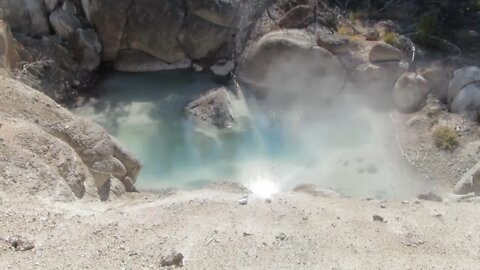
(213, 231)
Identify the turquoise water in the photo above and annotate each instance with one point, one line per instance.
(344, 147)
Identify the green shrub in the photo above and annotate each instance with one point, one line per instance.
(427, 26)
(445, 138)
(391, 38)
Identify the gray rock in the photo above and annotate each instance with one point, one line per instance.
(468, 99)
(26, 16)
(410, 92)
(213, 108)
(297, 17)
(281, 236)
(64, 23)
(20, 243)
(173, 259)
(377, 218)
(137, 61)
(153, 27)
(223, 13)
(86, 48)
(223, 67)
(439, 78)
(50, 5)
(333, 43)
(383, 52)
(243, 201)
(372, 35)
(8, 48)
(469, 183)
(109, 18)
(461, 78)
(289, 54)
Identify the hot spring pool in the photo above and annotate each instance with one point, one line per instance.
(347, 147)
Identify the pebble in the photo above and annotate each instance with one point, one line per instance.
(243, 201)
(377, 218)
(281, 236)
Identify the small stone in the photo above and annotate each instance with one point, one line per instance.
(268, 200)
(173, 259)
(383, 206)
(243, 201)
(245, 234)
(404, 202)
(20, 243)
(378, 218)
(281, 236)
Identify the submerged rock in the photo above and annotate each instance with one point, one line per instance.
(213, 108)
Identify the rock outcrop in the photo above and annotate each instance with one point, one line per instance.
(285, 59)
(8, 54)
(86, 49)
(64, 23)
(75, 150)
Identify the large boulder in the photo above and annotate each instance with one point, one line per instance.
(200, 37)
(383, 52)
(109, 18)
(468, 99)
(86, 48)
(438, 76)
(410, 92)
(64, 23)
(222, 12)
(289, 60)
(26, 16)
(461, 78)
(50, 5)
(94, 147)
(213, 109)
(153, 27)
(297, 17)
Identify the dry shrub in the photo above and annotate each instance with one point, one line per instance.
(445, 138)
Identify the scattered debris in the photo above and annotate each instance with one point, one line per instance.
(20, 243)
(430, 196)
(173, 259)
(378, 218)
(281, 236)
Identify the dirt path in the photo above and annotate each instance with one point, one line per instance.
(213, 231)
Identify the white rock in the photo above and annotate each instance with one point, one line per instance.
(223, 67)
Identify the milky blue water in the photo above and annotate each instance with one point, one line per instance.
(347, 148)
